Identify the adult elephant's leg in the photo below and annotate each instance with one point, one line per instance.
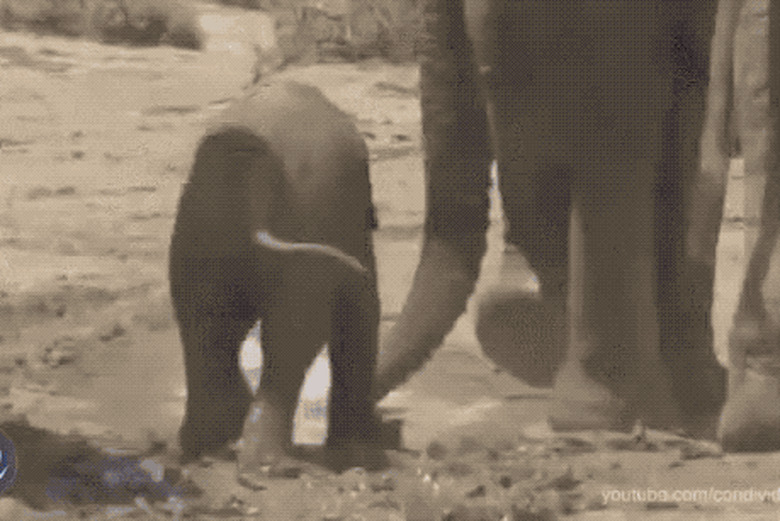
(612, 374)
(593, 100)
(689, 202)
(751, 417)
(457, 177)
(751, 329)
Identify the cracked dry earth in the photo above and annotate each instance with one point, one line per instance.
(95, 143)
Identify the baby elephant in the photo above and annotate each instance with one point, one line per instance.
(276, 224)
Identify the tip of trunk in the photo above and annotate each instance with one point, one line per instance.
(442, 285)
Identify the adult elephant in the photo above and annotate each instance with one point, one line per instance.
(593, 110)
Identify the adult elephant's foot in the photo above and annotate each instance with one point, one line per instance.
(750, 421)
(698, 380)
(698, 383)
(616, 400)
(519, 330)
(579, 402)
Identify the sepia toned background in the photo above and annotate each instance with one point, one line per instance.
(101, 106)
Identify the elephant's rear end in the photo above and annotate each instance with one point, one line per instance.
(274, 223)
(325, 194)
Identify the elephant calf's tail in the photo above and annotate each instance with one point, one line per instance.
(266, 240)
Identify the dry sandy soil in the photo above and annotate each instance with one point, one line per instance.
(95, 143)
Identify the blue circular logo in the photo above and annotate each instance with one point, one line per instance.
(7, 462)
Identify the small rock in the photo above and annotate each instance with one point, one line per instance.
(565, 481)
(65, 190)
(231, 507)
(61, 352)
(38, 192)
(478, 491)
(505, 481)
(286, 472)
(520, 472)
(154, 469)
(174, 507)
(115, 332)
(436, 450)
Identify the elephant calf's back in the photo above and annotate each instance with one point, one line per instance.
(282, 159)
(325, 194)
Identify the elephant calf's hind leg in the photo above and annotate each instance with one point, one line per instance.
(353, 429)
(288, 349)
(217, 395)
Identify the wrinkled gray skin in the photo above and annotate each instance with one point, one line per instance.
(594, 111)
(750, 419)
(275, 224)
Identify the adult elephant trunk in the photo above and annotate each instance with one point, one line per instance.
(457, 169)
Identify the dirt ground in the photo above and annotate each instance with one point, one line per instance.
(95, 143)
